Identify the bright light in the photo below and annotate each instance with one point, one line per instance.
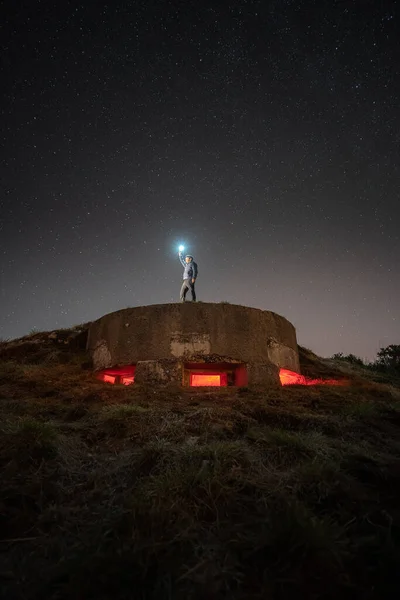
(205, 380)
(291, 378)
(181, 248)
(212, 379)
(120, 375)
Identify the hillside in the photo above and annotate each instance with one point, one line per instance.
(127, 492)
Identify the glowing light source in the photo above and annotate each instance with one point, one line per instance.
(291, 378)
(181, 248)
(122, 375)
(208, 379)
(205, 380)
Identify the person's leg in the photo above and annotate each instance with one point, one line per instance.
(184, 290)
(193, 291)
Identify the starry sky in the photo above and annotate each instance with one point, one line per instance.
(264, 135)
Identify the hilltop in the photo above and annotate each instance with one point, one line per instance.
(129, 492)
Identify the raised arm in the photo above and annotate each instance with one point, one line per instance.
(181, 259)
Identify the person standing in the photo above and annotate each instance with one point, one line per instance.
(189, 276)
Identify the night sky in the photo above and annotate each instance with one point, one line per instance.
(264, 135)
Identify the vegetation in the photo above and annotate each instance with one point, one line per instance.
(384, 369)
(350, 358)
(125, 492)
(387, 360)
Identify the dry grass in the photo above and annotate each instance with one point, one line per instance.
(123, 493)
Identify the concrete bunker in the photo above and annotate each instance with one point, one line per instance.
(193, 345)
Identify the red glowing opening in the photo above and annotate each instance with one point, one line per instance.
(221, 374)
(208, 379)
(121, 375)
(291, 378)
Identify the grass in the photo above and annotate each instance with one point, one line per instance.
(121, 492)
(18, 435)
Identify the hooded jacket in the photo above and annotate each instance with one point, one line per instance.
(190, 269)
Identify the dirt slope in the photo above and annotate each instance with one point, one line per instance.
(123, 493)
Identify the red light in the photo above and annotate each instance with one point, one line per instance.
(208, 379)
(292, 378)
(122, 375)
(204, 380)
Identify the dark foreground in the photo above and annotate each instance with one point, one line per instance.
(128, 493)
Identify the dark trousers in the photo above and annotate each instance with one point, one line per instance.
(186, 286)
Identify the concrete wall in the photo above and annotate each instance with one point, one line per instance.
(191, 332)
